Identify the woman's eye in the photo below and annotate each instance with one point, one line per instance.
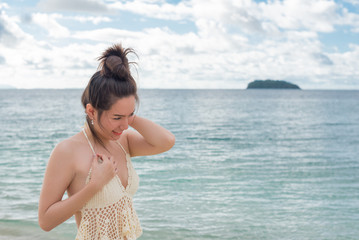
(117, 118)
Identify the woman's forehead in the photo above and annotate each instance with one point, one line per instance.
(123, 105)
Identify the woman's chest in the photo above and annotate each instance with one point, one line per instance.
(83, 169)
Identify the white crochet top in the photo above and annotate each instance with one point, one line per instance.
(109, 215)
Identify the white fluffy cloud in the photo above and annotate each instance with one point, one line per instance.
(50, 24)
(10, 33)
(152, 9)
(27, 62)
(94, 6)
(94, 20)
(317, 16)
(233, 42)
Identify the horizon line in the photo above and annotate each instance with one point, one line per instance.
(301, 89)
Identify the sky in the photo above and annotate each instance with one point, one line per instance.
(206, 44)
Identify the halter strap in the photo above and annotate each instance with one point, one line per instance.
(118, 142)
(88, 140)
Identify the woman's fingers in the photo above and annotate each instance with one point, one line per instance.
(94, 160)
(115, 165)
(102, 158)
(104, 168)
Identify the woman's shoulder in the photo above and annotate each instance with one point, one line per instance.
(71, 155)
(69, 146)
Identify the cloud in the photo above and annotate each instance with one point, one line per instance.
(91, 6)
(49, 23)
(94, 20)
(10, 33)
(2, 60)
(162, 10)
(350, 19)
(243, 15)
(310, 15)
(322, 59)
(3, 6)
(35, 65)
(7, 37)
(231, 43)
(108, 35)
(26, 62)
(182, 60)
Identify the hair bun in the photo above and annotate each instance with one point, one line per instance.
(114, 62)
(116, 67)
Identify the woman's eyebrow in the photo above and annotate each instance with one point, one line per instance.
(120, 115)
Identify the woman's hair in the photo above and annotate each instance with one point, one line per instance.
(111, 82)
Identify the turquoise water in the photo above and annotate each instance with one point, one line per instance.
(247, 164)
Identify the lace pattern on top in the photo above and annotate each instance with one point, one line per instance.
(109, 215)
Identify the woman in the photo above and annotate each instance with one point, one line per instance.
(94, 166)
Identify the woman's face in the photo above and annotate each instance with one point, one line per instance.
(115, 120)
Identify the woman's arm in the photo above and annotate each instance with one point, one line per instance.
(149, 139)
(58, 176)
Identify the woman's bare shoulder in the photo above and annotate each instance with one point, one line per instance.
(68, 148)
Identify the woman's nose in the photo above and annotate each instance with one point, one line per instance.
(124, 124)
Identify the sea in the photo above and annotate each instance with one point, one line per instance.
(247, 164)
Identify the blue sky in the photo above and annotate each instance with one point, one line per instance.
(182, 44)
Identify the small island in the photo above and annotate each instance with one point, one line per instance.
(277, 84)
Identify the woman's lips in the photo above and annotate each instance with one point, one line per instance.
(117, 133)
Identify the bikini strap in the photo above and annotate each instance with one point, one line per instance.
(88, 140)
(118, 142)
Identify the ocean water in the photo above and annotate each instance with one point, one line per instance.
(247, 164)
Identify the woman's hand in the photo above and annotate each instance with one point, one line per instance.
(104, 168)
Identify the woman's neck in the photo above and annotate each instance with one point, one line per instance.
(98, 140)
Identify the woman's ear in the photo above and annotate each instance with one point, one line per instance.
(90, 111)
